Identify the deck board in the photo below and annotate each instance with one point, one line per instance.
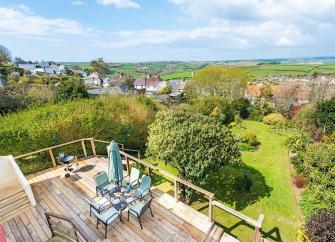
(66, 196)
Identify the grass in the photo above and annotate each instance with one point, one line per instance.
(272, 192)
(267, 70)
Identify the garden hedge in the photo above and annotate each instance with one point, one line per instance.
(124, 119)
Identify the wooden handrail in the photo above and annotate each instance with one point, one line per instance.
(51, 147)
(165, 173)
(74, 224)
(256, 224)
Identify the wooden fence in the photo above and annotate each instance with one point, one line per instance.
(149, 167)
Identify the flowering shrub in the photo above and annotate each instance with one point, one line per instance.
(274, 119)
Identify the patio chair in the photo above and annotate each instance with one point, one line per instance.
(139, 209)
(107, 217)
(142, 190)
(98, 204)
(102, 184)
(134, 177)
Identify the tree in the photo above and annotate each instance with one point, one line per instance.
(206, 106)
(70, 89)
(287, 96)
(325, 115)
(165, 90)
(321, 226)
(5, 55)
(192, 143)
(242, 107)
(99, 66)
(218, 81)
(266, 92)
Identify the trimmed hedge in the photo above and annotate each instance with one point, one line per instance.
(124, 119)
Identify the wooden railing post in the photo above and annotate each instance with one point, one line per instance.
(127, 164)
(93, 147)
(84, 147)
(139, 154)
(52, 157)
(176, 190)
(149, 171)
(210, 209)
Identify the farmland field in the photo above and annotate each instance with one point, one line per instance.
(177, 70)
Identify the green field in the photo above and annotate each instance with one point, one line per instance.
(267, 70)
(272, 192)
(177, 70)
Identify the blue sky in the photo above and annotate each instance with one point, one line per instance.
(143, 30)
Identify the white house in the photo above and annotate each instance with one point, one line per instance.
(149, 83)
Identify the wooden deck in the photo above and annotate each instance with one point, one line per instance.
(65, 196)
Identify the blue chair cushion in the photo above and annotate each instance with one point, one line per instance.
(109, 215)
(100, 203)
(137, 208)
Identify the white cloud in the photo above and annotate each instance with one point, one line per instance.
(258, 9)
(223, 34)
(120, 3)
(20, 21)
(78, 3)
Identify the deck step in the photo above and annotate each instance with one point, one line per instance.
(13, 205)
(11, 198)
(218, 235)
(12, 213)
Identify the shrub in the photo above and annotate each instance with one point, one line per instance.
(319, 167)
(123, 119)
(70, 89)
(325, 115)
(192, 143)
(321, 226)
(165, 90)
(250, 138)
(259, 110)
(206, 106)
(274, 119)
(298, 141)
(300, 181)
(316, 197)
(243, 183)
(242, 107)
(305, 118)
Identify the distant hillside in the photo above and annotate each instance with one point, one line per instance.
(257, 68)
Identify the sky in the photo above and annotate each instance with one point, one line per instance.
(163, 30)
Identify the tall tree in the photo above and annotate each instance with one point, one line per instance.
(99, 66)
(5, 55)
(218, 81)
(192, 143)
(70, 89)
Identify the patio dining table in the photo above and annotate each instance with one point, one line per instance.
(119, 199)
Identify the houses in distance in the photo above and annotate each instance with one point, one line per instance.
(42, 68)
(125, 84)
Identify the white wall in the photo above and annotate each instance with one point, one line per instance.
(7, 173)
(11, 172)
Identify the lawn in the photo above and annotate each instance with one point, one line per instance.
(272, 193)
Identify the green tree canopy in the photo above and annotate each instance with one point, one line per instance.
(325, 115)
(192, 143)
(5, 55)
(218, 81)
(70, 89)
(99, 66)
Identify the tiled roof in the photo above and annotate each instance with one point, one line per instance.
(150, 81)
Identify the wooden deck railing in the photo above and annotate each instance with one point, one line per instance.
(176, 180)
(257, 224)
(78, 231)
